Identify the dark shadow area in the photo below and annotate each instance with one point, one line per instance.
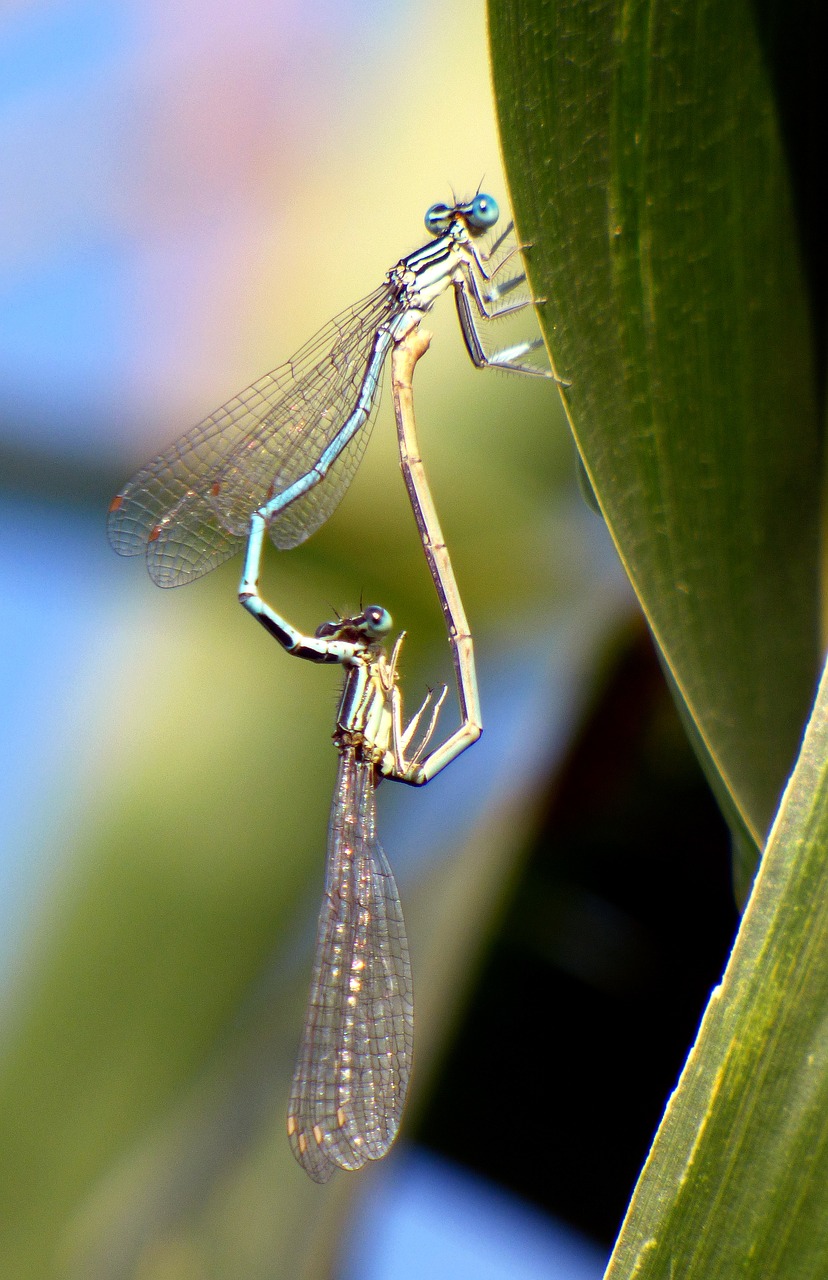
(591, 995)
(794, 40)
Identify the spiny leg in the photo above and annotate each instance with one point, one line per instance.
(467, 290)
(509, 358)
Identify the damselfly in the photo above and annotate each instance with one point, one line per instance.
(354, 1063)
(406, 354)
(288, 446)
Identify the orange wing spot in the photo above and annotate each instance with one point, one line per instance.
(291, 1126)
(341, 1118)
(318, 1134)
(303, 1143)
(116, 503)
(216, 489)
(155, 531)
(270, 491)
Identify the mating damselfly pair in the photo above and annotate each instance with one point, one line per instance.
(276, 459)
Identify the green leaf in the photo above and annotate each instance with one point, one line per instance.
(646, 170)
(739, 1168)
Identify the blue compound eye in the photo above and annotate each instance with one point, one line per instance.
(438, 218)
(484, 212)
(377, 620)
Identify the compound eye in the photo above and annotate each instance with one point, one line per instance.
(484, 212)
(438, 218)
(377, 620)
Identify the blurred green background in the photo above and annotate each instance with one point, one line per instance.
(192, 190)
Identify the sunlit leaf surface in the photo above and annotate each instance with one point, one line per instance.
(643, 153)
(739, 1169)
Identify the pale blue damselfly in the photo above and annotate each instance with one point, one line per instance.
(287, 447)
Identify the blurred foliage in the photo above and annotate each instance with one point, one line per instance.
(232, 192)
(655, 157)
(150, 1032)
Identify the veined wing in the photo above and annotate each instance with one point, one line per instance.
(189, 508)
(354, 1061)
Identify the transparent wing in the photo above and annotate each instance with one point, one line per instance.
(187, 510)
(507, 297)
(354, 1061)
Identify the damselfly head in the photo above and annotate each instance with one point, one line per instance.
(371, 624)
(438, 219)
(376, 620)
(482, 213)
(478, 214)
